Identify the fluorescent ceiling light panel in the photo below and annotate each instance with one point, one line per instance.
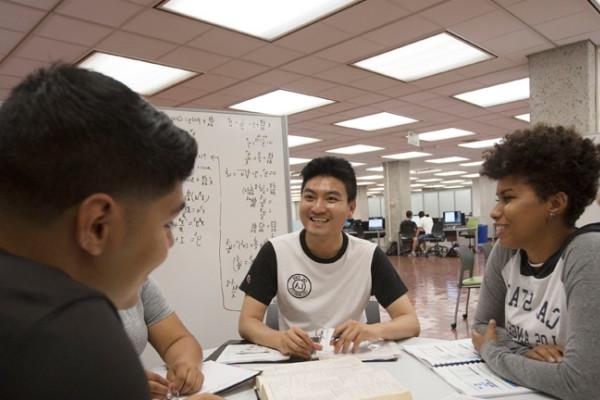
(481, 144)
(406, 156)
(471, 164)
(266, 19)
(380, 184)
(417, 185)
(281, 102)
(369, 177)
(142, 77)
(375, 169)
(452, 181)
(470, 176)
(295, 187)
(444, 134)
(356, 149)
(433, 55)
(428, 171)
(450, 173)
(447, 160)
(364, 183)
(413, 178)
(454, 187)
(429, 180)
(498, 94)
(523, 117)
(377, 121)
(377, 189)
(433, 186)
(295, 181)
(296, 161)
(417, 190)
(294, 141)
(357, 164)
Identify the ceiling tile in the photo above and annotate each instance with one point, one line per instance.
(534, 12)
(312, 38)
(173, 28)
(8, 82)
(405, 31)
(214, 101)
(20, 67)
(246, 90)
(229, 43)
(343, 74)
(180, 94)
(239, 69)
(106, 12)
(143, 2)
(337, 107)
(133, 45)
(487, 26)
(511, 42)
(272, 55)
(374, 82)
(192, 59)
(351, 51)
(62, 28)
(8, 40)
(452, 12)
(162, 102)
(43, 4)
(419, 97)
(571, 25)
(353, 19)
(42, 49)
(309, 65)
(19, 18)
(439, 80)
(309, 86)
(277, 77)
(400, 89)
(368, 99)
(341, 93)
(209, 82)
(417, 5)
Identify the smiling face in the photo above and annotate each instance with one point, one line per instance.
(324, 207)
(520, 215)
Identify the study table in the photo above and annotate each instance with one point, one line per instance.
(422, 382)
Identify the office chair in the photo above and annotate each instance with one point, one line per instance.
(437, 236)
(371, 312)
(405, 237)
(467, 263)
(472, 224)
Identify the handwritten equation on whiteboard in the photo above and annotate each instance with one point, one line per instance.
(235, 198)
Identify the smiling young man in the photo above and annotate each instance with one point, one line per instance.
(323, 277)
(90, 181)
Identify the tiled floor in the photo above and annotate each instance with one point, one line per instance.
(431, 282)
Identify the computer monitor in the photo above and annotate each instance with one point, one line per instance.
(452, 218)
(376, 224)
(348, 223)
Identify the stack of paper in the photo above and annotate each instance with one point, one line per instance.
(380, 350)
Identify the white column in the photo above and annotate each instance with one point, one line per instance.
(397, 196)
(362, 204)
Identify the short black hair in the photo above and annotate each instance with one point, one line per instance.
(421, 214)
(336, 167)
(67, 132)
(409, 214)
(551, 159)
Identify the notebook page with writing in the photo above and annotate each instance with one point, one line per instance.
(445, 353)
(250, 353)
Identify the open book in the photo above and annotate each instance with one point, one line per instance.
(380, 350)
(336, 379)
(458, 363)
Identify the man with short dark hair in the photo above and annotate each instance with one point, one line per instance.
(91, 178)
(323, 278)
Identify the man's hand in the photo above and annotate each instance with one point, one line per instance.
(297, 343)
(546, 352)
(490, 335)
(350, 334)
(185, 378)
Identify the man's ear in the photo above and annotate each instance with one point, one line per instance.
(352, 206)
(96, 218)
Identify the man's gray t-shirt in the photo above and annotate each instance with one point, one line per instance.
(151, 308)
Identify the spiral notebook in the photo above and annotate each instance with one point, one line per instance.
(458, 363)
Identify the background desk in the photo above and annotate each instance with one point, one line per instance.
(451, 232)
(423, 383)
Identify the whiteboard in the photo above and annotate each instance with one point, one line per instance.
(236, 199)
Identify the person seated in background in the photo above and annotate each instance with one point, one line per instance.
(90, 179)
(322, 277)
(423, 232)
(536, 322)
(408, 228)
(152, 319)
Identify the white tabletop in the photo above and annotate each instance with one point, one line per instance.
(423, 383)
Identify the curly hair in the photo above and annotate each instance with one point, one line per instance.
(551, 159)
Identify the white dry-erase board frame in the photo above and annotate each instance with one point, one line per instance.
(236, 199)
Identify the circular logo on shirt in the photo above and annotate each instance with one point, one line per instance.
(299, 286)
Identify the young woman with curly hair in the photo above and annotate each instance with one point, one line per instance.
(539, 307)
